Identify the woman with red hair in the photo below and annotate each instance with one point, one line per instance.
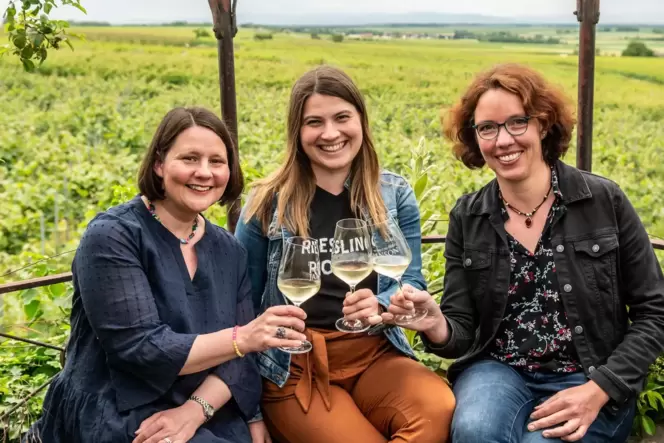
(554, 300)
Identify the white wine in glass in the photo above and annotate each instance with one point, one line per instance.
(298, 290)
(391, 256)
(351, 262)
(299, 276)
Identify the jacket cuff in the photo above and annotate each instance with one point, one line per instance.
(436, 348)
(611, 384)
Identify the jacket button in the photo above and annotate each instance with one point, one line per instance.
(468, 262)
(595, 248)
(578, 329)
(567, 288)
(591, 369)
(560, 248)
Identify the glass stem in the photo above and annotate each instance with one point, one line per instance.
(352, 290)
(398, 279)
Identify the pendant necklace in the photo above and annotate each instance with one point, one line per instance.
(528, 215)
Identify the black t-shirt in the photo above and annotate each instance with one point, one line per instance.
(325, 308)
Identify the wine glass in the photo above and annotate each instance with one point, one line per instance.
(351, 262)
(299, 276)
(390, 256)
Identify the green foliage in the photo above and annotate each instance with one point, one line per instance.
(638, 49)
(650, 403)
(31, 33)
(75, 132)
(263, 36)
(337, 38)
(315, 36)
(202, 33)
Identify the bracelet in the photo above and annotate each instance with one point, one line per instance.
(235, 347)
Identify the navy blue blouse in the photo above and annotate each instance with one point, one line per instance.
(135, 315)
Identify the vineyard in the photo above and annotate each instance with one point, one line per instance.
(74, 131)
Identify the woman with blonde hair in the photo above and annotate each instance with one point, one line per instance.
(350, 386)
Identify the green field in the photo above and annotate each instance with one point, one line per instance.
(73, 132)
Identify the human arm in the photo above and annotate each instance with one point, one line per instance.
(454, 336)
(119, 304)
(641, 286)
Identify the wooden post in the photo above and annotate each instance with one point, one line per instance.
(587, 13)
(225, 28)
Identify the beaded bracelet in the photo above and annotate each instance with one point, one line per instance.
(235, 347)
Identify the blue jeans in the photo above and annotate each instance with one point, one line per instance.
(494, 403)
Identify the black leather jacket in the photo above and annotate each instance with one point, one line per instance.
(610, 281)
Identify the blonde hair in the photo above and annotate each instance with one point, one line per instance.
(294, 180)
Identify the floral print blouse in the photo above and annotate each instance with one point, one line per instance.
(534, 334)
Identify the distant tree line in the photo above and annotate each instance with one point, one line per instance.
(504, 37)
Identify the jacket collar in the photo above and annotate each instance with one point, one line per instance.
(571, 182)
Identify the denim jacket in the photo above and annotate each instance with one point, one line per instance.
(604, 263)
(265, 256)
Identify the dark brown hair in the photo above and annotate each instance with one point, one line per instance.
(175, 122)
(541, 100)
(294, 180)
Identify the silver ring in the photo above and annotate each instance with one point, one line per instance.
(281, 332)
(167, 440)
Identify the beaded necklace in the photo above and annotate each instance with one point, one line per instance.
(184, 241)
(528, 215)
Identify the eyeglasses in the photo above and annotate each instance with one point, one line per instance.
(514, 126)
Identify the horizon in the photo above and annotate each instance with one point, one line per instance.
(367, 12)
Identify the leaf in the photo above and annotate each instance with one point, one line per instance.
(80, 8)
(652, 400)
(26, 53)
(28, 65)
(19, 41)
(421, 185)
(32, 309)
(48, 7)
(648, 425)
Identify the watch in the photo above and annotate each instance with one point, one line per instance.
(208, 410)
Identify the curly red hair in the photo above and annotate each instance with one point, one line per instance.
(541, 100)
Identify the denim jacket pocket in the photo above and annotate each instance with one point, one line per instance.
(477, 265)
(597, 259)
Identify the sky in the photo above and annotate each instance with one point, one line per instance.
(155, 11)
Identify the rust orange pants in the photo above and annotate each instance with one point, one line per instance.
(357, 388)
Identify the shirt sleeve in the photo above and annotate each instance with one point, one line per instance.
(642, 290)
(144, 355)
(241, 375)
(250, 235)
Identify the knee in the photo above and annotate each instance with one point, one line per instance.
(439, 405)
(473, 426)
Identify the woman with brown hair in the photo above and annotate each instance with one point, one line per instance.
(554, 299)
(162, 320)
(350, 387)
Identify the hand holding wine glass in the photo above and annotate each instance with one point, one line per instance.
(391, 256)
(299, 277)
(351, 262)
